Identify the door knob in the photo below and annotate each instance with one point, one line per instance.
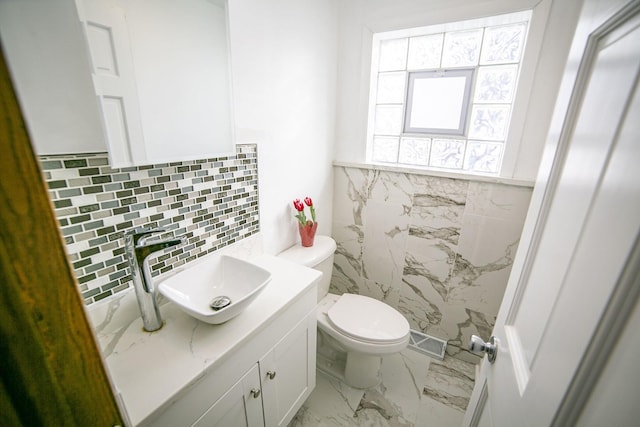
(271, 374)
(478, 346)
(255, 392)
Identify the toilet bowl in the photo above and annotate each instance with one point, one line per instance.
(354, 331)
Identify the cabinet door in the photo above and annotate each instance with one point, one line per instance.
(241, 406)
(288, 373)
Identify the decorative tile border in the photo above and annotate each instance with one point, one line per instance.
(212, 203)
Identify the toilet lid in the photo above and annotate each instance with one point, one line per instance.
(367, 319)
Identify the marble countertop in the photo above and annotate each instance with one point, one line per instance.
(150, 369)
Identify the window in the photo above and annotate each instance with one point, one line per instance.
(437, 101)
(441, 96)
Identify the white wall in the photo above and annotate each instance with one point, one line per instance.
(284, 76)
(551, 31)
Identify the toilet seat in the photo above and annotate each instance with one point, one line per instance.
(375, 322)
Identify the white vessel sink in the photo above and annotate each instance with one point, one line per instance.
(199, 287)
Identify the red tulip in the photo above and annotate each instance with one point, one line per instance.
(298, 205)
(309, 203)
(300, 208)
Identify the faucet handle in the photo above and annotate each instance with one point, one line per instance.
(145, 231)
(136, 234)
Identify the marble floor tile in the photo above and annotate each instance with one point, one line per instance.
(330, 404)
(416, 390)
(375, 410)
(436, 414)
(450, 382)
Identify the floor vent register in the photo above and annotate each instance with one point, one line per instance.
(431, 346)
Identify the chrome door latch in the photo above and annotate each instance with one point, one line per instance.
(478, 346)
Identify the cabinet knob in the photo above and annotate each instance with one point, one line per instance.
(255, 392)
(271, 374)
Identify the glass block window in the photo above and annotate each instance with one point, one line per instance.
(442, 95)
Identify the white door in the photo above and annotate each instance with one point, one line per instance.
(568, 288)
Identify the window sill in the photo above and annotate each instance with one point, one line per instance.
(438, 173)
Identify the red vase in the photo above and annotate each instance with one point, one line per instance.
(307, 233)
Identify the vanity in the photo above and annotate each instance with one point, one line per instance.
(254, 370)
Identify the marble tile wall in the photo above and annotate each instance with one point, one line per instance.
(437, 249)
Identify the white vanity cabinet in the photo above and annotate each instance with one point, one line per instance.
(255, 370)
(192, 373)
(273, 390)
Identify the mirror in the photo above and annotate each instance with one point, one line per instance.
(146, 80)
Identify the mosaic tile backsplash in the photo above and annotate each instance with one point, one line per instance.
(439, 250)
(212, 203)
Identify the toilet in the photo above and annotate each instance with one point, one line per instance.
(354, 331)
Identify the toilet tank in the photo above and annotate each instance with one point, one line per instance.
(319, 257)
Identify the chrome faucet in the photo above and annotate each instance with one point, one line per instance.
(139, 245)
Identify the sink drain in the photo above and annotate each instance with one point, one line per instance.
(218, 303)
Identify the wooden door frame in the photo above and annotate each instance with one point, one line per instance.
(51, 371)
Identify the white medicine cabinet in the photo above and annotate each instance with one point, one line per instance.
(148, 81)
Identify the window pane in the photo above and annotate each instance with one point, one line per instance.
(462, 48)
(385, 149)
(393, 55)
(447, 153)
(496, 84)
(489, 122)
(391, 88)
(425, 52)
(438, 101)
(388, 120)
(414, 151)
(483, 156)
(503, 44)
